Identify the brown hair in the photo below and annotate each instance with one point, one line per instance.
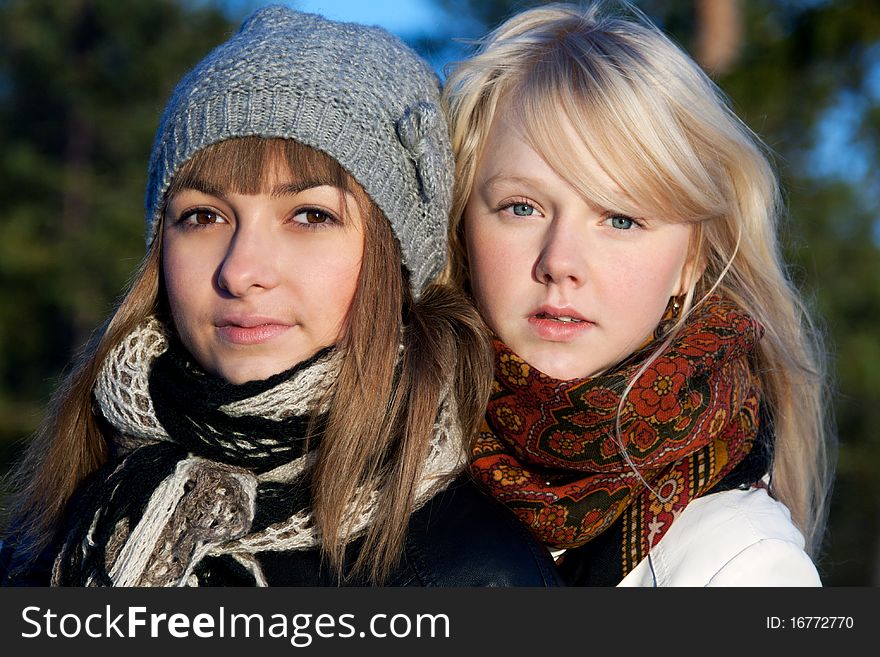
(382, 409)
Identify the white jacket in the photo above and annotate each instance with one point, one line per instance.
(732, 538)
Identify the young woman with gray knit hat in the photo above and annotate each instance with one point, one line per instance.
(283, 396)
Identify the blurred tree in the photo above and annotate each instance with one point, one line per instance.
(719, 33)
(82, 83)
(805, 75)
(81, 86)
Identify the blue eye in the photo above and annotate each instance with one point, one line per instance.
(522, 209)
(622, 223)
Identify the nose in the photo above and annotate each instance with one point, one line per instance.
(250, 262)
(561, 260)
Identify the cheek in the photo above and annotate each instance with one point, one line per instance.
(176, 270)
(485, 269)
(343, 283)
(639, 287)
(498, 263)
(330, 280)
(189, 287)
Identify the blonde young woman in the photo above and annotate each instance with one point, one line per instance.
(659, 414)
(283, 396)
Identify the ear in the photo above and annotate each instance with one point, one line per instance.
(695, 264)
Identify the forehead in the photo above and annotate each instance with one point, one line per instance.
(534, 152)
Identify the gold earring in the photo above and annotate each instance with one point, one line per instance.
(676, 306)
(673, 310)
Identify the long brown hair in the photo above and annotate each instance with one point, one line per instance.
(70, 442)
(382, 409)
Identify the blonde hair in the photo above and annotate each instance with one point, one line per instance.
(664, 132)
(382, 409)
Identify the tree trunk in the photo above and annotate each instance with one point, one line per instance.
(719, 34)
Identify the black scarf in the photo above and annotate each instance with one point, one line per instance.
(209, 452)
(211, 481)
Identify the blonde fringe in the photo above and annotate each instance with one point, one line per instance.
(666, 134)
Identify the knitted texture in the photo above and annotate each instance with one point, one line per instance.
(549, 449)
(122, 388)
(194, 483)
(357, 93)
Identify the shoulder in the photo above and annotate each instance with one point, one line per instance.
(731, 538)
(463, 537)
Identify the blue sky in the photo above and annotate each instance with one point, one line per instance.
(408, 19)
(404, 18)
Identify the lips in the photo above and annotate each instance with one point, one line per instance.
(558, 324)
(251, 329)
(249, 321)
(566, 319)
(564, 315)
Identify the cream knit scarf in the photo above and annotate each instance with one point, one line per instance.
(202, 463)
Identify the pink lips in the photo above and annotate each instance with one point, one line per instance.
(558, 324)
(248, 330)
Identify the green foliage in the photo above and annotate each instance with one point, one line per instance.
(81, 87)
(803, 62)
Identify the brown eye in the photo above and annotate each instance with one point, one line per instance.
(313, 217)
(205, 217)
(201, 217)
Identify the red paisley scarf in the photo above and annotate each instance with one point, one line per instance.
(549, 449)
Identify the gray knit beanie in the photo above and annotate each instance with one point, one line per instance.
(357, 93)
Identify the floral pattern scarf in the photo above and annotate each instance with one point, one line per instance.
(551, 451)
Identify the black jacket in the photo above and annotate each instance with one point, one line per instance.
(461, 537)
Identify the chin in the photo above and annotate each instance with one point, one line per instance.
(558, 366)
(566, 372)
(554, 369)
(257, 369)
(239, 375)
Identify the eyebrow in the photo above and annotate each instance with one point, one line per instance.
(291, 189)
(286, 189)
(505, 179)
(203, 186)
